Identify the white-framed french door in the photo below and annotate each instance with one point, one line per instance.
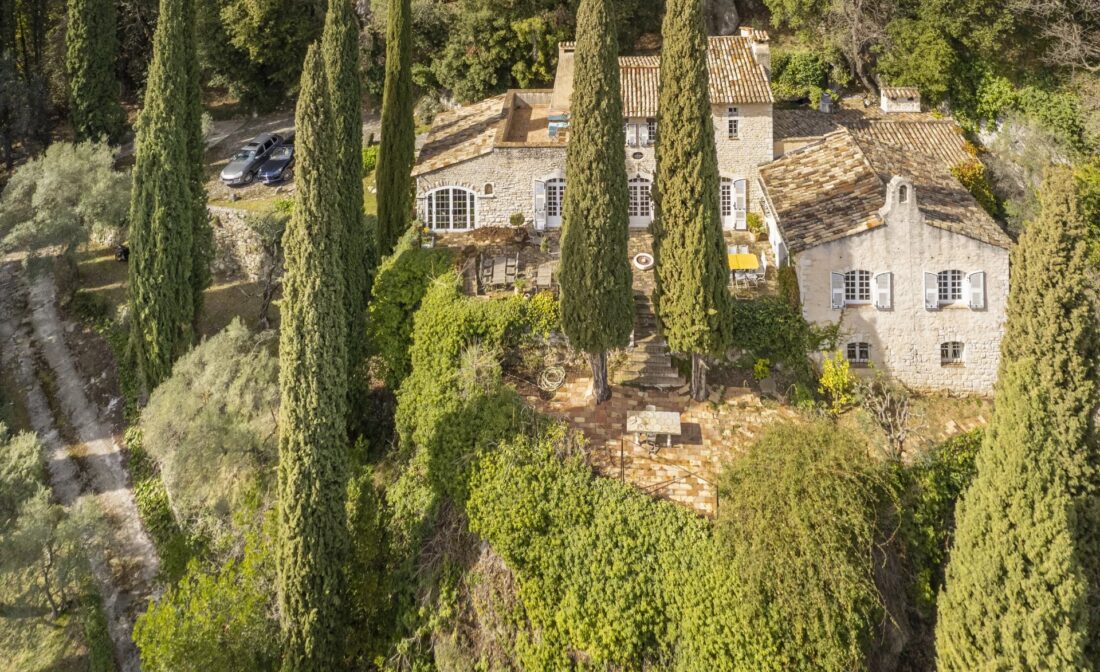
(641, 201)
(555, 198)
(734, 203)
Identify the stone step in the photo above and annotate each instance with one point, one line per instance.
(653, 345)
(661, 382)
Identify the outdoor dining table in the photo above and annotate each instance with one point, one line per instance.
(653, 423)
(743, 262)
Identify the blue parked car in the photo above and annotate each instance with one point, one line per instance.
(277, 167)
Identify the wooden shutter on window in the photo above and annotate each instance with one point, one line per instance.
(643, 133)
(540, 204)
(931, 291)
(837, 287)
(977, 290)
(884, 291)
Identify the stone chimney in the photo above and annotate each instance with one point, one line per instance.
(563, 79)
(761, 50)
(826, 104)
(901, 201)
(899, 99)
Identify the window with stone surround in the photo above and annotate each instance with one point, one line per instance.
(640, 203)
(733, 123)
(951, 353)
(451, 209)
(859, 353)
(651, 135)
(857, 287)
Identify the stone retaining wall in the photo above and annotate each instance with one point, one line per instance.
(238, 250)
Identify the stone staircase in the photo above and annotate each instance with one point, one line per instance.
(648, 362)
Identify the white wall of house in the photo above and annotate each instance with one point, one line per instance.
(905, 337)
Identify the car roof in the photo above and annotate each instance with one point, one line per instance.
(262, 138)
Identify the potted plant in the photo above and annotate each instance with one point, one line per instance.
(427, 237)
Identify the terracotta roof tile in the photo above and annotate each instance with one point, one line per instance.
(460, 135)
(834, 188)
(901, 92)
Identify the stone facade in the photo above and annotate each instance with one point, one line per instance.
(503, 181)
(905, 337)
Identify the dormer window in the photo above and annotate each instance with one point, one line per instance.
(903, 193)
(733, 123)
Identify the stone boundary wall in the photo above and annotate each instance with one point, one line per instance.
(238, 251)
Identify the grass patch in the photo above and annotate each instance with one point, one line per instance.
(262, 204)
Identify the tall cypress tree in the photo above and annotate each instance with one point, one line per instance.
(692, 298)
(395, 151)
(340, 46)
(169, 233)
(596, 298)
(91, 52)
(313, 451)
(1021, 588)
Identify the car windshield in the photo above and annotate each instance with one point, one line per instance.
(244, 155)
(281, 153)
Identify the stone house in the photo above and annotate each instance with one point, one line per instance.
(484, 163)
(885, 241)
(899, 99)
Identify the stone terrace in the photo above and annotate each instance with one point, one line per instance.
(713, 432)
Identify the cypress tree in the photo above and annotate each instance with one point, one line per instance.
(1021, 583)
(596, 298)
(340, 46)
(91, 52)
(395, 151)
(692, 299)
(169, 233)
(313, 451)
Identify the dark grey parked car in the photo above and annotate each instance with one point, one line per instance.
(244, 164)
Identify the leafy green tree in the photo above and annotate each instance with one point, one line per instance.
(803, 515)
(270, 37)
(211, 429)
(693, 301)
(340, 45)
(597, 298)
(65, 197)
(92, 53)
(169, 232)
(215, 618)
(21, 474)
(1018, 581)
(395, 154)
(313, 451)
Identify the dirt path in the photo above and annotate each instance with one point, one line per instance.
(32, 335)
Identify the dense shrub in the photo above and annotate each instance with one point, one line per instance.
(803, 514)
(798, 75)
(398, 288)
(606, 574)
(973, 176)
(211, 427)
(772, 328)
(370, 159)
(931, 488)
(216, 618)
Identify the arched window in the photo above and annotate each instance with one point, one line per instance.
(487, 189)
(451, 209)
(951, 353)
(859, 353)
(903, 193)
(857, 287)
(950, 285)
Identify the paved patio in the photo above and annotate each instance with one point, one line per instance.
(686, 472)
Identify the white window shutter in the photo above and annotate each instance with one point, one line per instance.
(837, 287)
(540, 204)
(977, 290)
(884, 291)
(931, 291)
(643, 134)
